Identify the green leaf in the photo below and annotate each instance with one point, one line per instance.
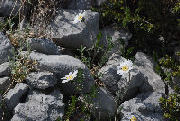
(130, 50)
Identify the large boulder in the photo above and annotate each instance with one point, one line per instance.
(40, 107)
(4, 69)
(4, 83)
(45, 46)
(41, 80)
(62, 65)
(145, 107)
(13, 97)
(5, 47)
(104, 105)
(66, 34)
(120, 85)
(9, 6)
(146, 66)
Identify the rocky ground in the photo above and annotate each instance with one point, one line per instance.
(41, 96)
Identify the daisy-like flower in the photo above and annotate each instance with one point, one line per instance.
(125, 67)
(79, 18)
(70, 76)
(133, 118)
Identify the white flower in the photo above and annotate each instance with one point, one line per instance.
(79, 18)
(69, 77)
(125, 67)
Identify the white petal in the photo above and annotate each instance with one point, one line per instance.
(120, 72)
(129, 62)
(75, 73)
(123, 64)
(119, 67)
(131, 67)
(64, 81)
(64, 77)
(82, 14)
(75, 20)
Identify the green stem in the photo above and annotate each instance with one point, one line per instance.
(129, 76)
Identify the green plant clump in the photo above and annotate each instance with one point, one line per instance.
(171, 107)
(96, 55)
(147, 20)
(168, 69)
(80, 106)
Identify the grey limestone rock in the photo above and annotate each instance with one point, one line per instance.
(45, 46)
(105, 105)
(145, 107)
(62, 65)
(4, 69)
(5, 47)
(4, 83)
(6, 7)
(12, 98)
(41, 80)
(120, 85)
(66, 34)
(146, 66)
(40, 107)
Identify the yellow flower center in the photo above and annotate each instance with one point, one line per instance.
(80, 17)
(69, 77)
(133, 118)
(125, 68)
